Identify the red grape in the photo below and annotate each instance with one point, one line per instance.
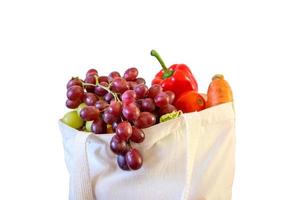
(141, 90)
(109, 118)
(89, 113)
(103, 79)
(114, 125)
(113, 75)
(98, 126)
(140, 81)
(124, 130)
(74, 81)
(73, 104)
(101, 104)
(122, 162)
(131, 74)
(128, 97)
(145, 120)
(108, 97)
(167, 109)
(162, 99)
(115, 108)
(148, 105)
(91, 72)
(99, 90)
(154, 90)
(120, 85)
(131, 84)
(134, 159)
(90, 80)
(171, 96)
(118, 146)
(139, 103)
(137, 135)
(90, 99)
(131, 112)
(75, 92)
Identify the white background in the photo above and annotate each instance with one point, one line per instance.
(255, 44)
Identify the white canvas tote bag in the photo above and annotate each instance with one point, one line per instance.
(187, 158)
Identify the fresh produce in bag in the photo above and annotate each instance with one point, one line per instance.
(121, 104)
(122, 136)
(219, 91)
(125, 105)
(177, 78)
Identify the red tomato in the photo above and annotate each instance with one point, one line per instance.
(190, 101)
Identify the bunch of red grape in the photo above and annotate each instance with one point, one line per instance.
(125, 104)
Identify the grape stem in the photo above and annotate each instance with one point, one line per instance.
(103, 87)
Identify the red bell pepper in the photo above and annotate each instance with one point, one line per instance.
(178, 78)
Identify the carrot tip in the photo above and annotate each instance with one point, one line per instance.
(218, 76)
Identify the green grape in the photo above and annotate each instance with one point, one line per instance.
(82, 105)
(73, 120)
(88, 126)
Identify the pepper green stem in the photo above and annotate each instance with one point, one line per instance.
(167, 72)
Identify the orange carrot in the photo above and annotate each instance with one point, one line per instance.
(218, 91)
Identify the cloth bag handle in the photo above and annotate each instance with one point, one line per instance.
(194, 144)
(80, 181)
(190, 156)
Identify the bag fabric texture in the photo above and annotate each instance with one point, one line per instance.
(187, 158)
